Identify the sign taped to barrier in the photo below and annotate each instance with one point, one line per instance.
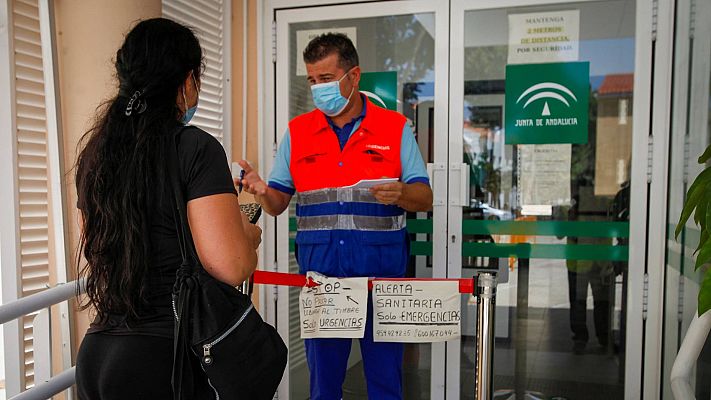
(416, 311)
(335, 308)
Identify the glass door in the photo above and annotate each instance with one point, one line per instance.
(402, 47)
(541, 112)
(524, 114)
(690, 135)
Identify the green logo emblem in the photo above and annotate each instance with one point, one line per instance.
(547, 103)
(381, 88)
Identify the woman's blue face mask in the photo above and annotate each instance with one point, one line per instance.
(188, 115)
(327, 96)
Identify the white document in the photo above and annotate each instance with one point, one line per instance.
(369, 183)
(544, 177)
(416, 311)
(336, 308)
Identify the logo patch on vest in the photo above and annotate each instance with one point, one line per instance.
(377, 147)
(374, 156)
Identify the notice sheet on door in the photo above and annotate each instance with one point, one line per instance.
(549, 36)
(416, 311)
(541, 39)
(335, 308)
(544, 177)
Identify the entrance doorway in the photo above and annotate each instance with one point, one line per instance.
(551, 217)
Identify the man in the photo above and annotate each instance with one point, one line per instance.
(597, 274)
(343, 232)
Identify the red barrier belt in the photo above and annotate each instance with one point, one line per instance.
(280, 278)
(466, 285)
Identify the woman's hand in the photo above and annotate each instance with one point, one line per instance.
(252, 231)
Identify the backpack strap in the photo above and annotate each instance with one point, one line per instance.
(185, 282)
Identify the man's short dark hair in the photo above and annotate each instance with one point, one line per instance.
(329, 43)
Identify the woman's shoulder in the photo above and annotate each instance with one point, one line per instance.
(195, 142)
(204, 163)
(192, 136)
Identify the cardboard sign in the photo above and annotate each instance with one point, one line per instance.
(336, 308)
(416, 311)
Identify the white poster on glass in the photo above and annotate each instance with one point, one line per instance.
(544, 37)
(550, 36)
(545, 177)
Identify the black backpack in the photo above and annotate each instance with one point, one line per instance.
(242, 356)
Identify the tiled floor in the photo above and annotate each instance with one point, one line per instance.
(551, 369)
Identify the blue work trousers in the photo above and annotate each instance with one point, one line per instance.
(328, 360)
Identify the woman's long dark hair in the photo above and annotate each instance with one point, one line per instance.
(117, 172)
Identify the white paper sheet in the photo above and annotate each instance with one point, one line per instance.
(369, 183)
(336, 308)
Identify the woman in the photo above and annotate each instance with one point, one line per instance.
(125, 206)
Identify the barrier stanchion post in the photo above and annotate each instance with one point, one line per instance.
(486, 296)
(521, 329)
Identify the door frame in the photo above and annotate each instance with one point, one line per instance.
(648, 170)
(277, 255)
(689, 136)
(677, 314)
(11, 285)
(654, 46)
(644, 247)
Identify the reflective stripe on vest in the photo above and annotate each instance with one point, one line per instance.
(322, 210)
(330, 195)
(322, 172)
(350, 222)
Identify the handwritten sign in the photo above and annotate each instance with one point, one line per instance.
(416, 311)
(336, 308)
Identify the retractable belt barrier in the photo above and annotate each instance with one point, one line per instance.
(483, 287)
(466, 285)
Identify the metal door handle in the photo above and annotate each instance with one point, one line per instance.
(463, 199)
(434, 170)
(464, 185)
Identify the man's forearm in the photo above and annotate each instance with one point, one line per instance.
(416, 197)
(274, 202)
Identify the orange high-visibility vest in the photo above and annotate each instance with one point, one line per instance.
(372, 151)
(343, 231)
